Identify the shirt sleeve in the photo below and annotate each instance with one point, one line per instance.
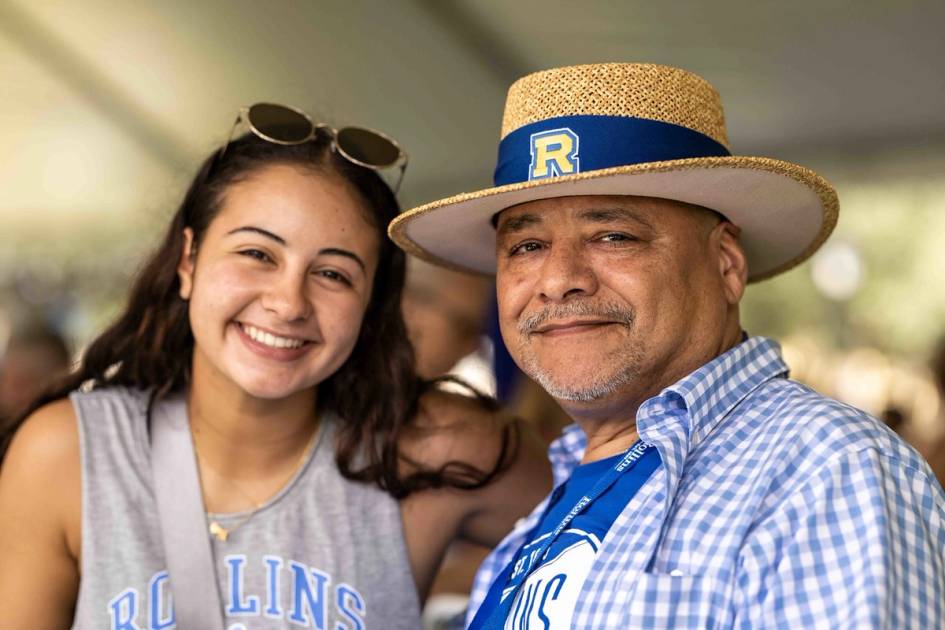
(861, 544)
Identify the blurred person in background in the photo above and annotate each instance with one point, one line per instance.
(445, 314)
(35, 357)
(932, 447)
(533, 404)
(936, 453)
(267, 326)
(699, 486)
(895, 418)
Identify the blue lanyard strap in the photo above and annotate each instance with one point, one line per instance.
(536, 557)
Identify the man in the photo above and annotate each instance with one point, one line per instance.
(699, 486)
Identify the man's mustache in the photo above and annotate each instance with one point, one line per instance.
(596, 310)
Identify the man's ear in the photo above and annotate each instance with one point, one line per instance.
(733, 265)
(185, 267)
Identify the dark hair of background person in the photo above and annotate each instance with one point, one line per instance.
(42, 337)
(375, 392)
(35, 357)
(938, 366)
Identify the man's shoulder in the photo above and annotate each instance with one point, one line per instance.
(821, 426)
(794, 443)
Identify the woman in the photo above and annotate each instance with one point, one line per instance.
(332, 479)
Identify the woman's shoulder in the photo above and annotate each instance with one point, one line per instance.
(40, 505)
(53, 434)
(48, 434)
(43, 459)
(451, 426)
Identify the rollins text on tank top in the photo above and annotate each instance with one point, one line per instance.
(312, 595)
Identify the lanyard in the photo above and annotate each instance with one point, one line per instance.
(535, 558)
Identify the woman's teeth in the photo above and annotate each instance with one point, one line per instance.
(268, 339)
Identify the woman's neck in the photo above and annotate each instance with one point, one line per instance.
(241, 436)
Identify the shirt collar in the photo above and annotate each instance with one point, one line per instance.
(708, 394)
(692, 406)
(565, 453)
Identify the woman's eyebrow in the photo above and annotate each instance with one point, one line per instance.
(326, 251)
(335, 251)
(258, 230)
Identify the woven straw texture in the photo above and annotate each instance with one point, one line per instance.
(617, 89)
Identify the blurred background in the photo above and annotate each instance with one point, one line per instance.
(107, 107)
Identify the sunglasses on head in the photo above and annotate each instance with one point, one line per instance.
(281, 124)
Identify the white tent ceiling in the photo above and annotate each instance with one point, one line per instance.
(106, 107)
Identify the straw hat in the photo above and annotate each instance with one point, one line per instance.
(627, 129)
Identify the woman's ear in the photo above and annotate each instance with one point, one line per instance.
(185, 267)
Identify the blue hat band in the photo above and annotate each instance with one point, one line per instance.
(575, 144)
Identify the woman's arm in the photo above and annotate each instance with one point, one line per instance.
(458, 428)
(40, 521)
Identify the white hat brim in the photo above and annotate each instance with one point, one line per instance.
(785, 211)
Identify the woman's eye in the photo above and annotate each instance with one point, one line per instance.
(257, 254)
(334, 276)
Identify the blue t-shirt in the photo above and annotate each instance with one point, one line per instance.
(549, 593)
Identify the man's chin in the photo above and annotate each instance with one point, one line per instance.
(579, 390)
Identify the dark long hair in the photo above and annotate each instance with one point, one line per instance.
(375, 392)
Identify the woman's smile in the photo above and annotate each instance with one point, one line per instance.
(271, 345)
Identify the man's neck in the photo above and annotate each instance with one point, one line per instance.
(608, 440)
(610, 426)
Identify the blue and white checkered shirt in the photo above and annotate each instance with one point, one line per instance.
(774, 507)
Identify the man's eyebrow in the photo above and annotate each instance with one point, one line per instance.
(258, 230)
(519, 223)
(606, 215)
(335, 251)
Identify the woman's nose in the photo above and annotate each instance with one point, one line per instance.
(287, 298)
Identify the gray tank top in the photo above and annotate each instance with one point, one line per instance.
(325, 552)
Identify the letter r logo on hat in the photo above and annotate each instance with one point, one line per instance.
(554, 153)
